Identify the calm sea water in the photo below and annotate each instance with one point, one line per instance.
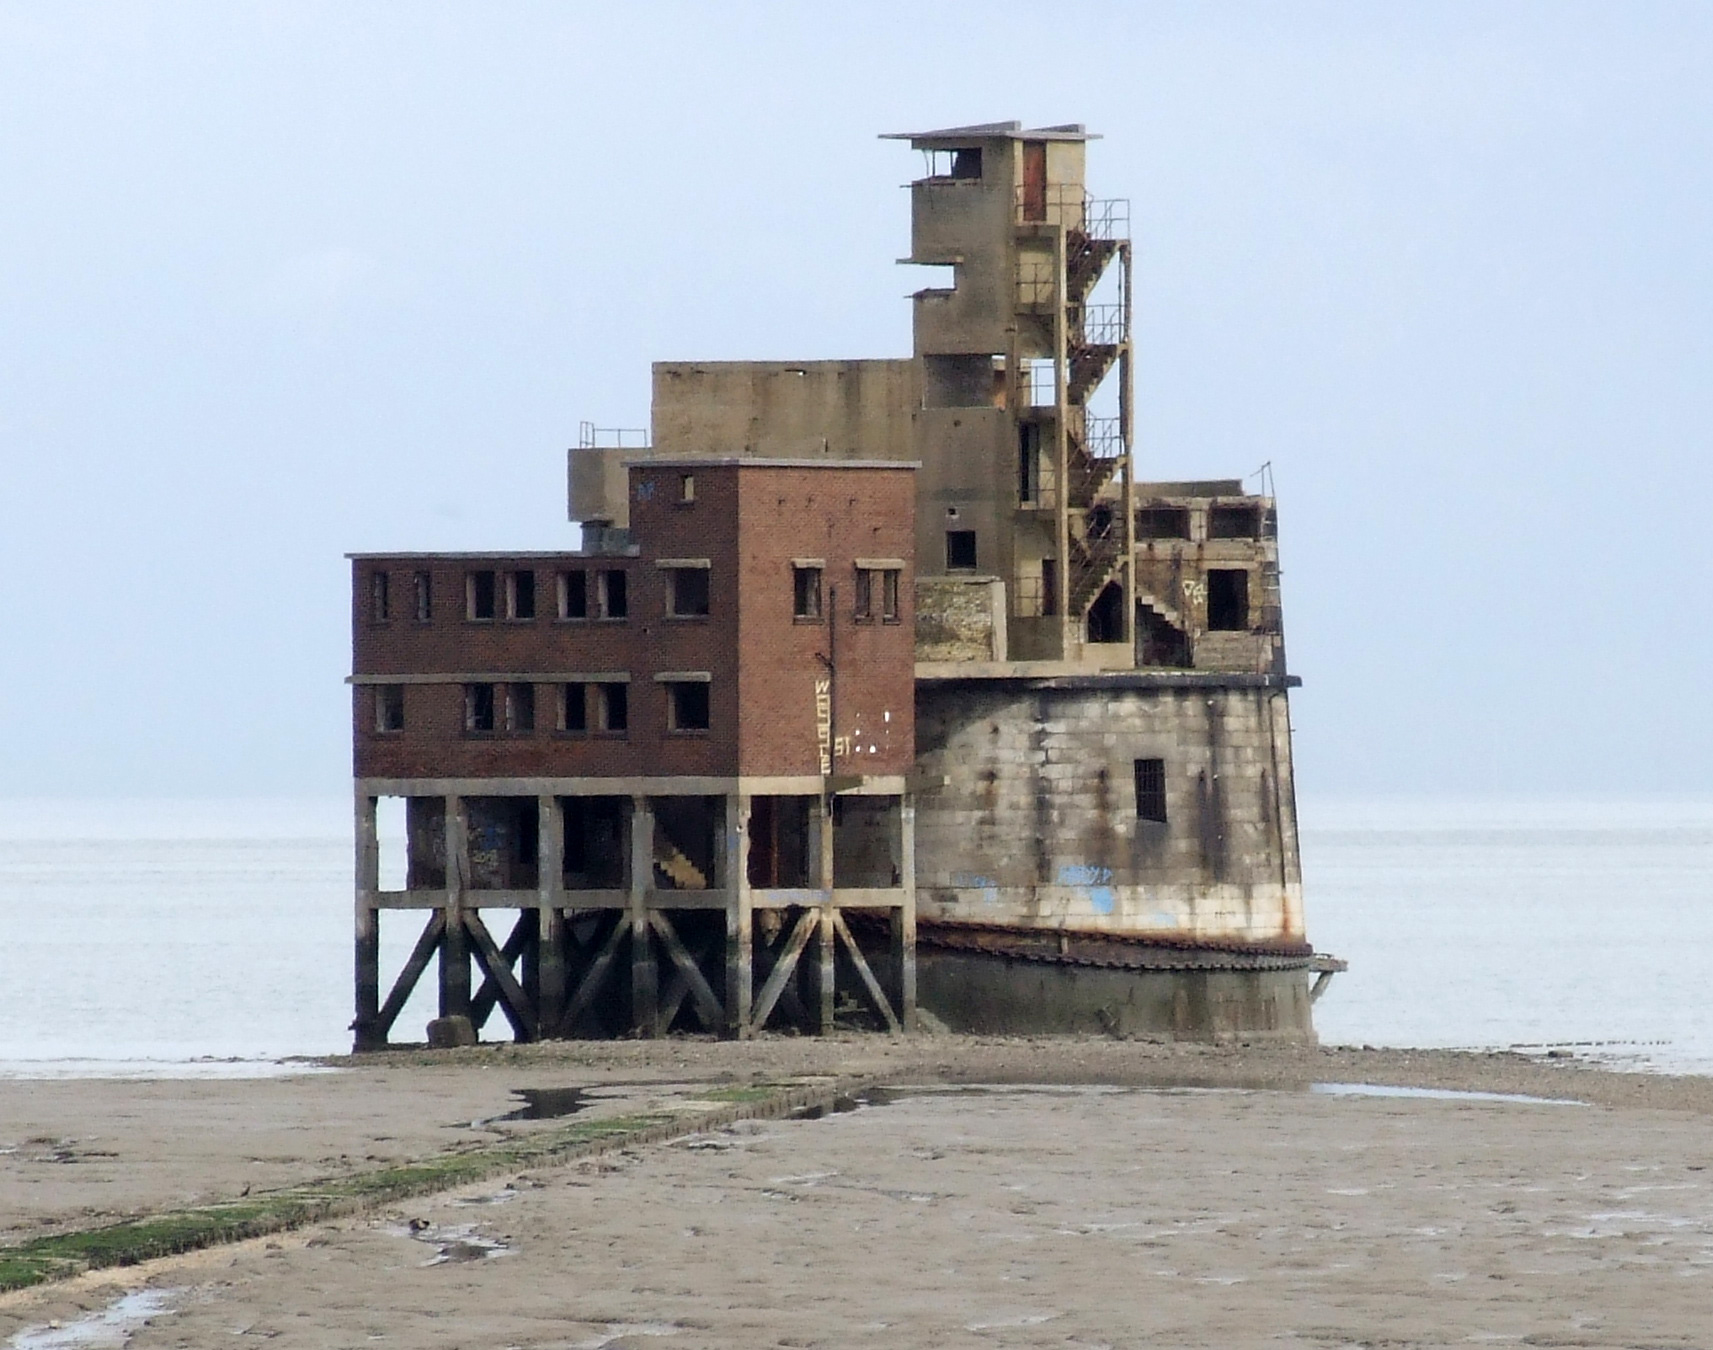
(210, 938)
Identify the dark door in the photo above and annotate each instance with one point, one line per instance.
(1034, 180)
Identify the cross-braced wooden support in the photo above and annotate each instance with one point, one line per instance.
(690, 934)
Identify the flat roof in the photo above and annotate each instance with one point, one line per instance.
(990, 131)
(765, 462)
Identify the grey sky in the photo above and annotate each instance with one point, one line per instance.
(279, 281)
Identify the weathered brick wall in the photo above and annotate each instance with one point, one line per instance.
(1037, 823)
(763, 665)
(954, 619)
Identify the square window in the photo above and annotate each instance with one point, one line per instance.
(380, 597)
(613, 706)
(960, 550)
(478, 707)
(574, 595)
(1227, 600)
(520, 707)
(422, 584)
(574, 707)
(479, 596)
(614, 601)
(389, 707)
(520, 595)
(687, 705)
(687, 592)
(1151, 790)
(806, 592)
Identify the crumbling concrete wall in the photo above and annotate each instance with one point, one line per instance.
(1028, 808)
(960, 619)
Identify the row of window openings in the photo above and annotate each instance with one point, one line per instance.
(580, 707)
(605, 594)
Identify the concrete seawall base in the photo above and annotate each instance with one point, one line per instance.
(988, 994)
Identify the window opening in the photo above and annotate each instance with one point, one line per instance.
(687, 705)
(479, 595)
(1034, 180)
(687, 592)
(574, 595)
(1028, 462)
(614, 604)
(863, 612)
(380, 597)
(1151, 790)
(1049, 587)
(1161, 641)
(1234, 522)
(806, 592)
(889, 595)
(1227, 600)
(574, 707)
(613, 706)
(520, 707)
(389, 707)
(960, 550)
(1163, 522)
(686, 487)
(478, 707)
(520, 595)
(423, 584)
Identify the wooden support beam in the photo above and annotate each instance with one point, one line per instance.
(740, 928)
(367, 936)
(708, 1007)
(876, 995)
(511, 996)
(644, 987)
(784, 967)
(550, 916)
(903, 919)
(454, 949)
(520, 942)
(420, 955)
(824, 946)
(596, 975)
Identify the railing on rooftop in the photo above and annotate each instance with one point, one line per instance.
(592, 437)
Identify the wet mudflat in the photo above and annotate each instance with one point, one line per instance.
(1020, 1215)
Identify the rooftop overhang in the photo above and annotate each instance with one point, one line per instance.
(950, 138)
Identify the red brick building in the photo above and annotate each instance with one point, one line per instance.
(641, 747)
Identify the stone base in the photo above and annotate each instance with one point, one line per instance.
(988, 994)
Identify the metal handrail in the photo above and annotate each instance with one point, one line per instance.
(592, 437)
(1102, 438)
(1101, 325)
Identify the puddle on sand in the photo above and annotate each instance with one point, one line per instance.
(105, 1330)
(454, 1243)
(547, 1103)
(1433, 1094)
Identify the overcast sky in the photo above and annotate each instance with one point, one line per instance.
(279, 281)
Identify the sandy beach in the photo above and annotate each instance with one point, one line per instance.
(998, 1192)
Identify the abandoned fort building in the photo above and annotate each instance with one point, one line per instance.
(878, 689)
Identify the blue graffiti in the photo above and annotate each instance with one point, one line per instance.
(1101, 898)
(1084, 874)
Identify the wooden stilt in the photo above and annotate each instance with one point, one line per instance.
(596, 975)
(824, 949)
(368, 931)
(454, 946)
(520, 942)
(644, 988)
(903, 923)
(707, 1005)
(550, 919)
(740, 939)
